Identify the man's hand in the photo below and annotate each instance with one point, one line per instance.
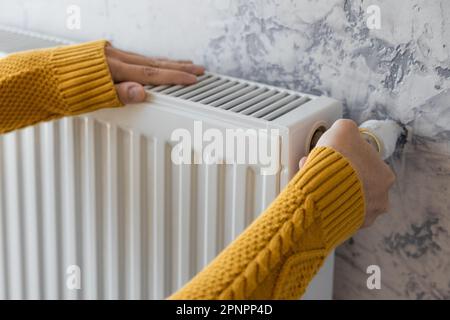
(374, 173)
(131, 71)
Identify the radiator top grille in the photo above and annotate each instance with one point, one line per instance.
(12, 40)
(238, 96)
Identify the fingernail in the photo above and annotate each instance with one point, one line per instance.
(198, 70)
(191, 79)
(133, 93)
(202, 69)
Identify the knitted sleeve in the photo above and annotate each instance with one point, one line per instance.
(281, 251)
(51, 83)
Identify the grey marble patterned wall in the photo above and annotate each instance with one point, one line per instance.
(400, 71)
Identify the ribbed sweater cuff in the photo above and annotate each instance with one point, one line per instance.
(84, 78)
(336, 190)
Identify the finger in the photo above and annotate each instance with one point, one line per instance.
(163, 63)
(186, 67)
(302, 162)
(179, 61)
(130, 92)
(155, 58)
(151, 75)
(115, 52)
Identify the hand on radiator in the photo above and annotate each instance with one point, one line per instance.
(375, 174)
(130, 71)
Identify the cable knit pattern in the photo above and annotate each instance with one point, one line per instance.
(296, 273)
(280, 252)
(46, 84)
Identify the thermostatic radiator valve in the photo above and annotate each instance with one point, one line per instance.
(384, 135)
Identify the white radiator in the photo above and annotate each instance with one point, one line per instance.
(96, 199)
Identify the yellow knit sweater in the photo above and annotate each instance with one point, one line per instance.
(47, 84)
(277, 255)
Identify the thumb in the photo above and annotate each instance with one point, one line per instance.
(130, 92)
(302, 162)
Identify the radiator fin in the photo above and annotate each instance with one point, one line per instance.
(80, 192)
